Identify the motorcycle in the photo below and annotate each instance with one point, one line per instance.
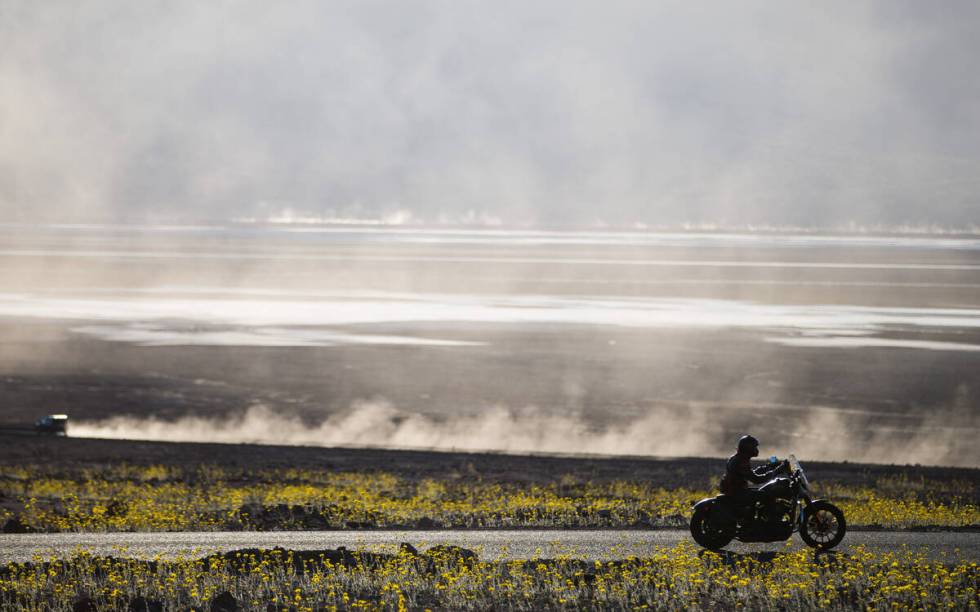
(788, 507)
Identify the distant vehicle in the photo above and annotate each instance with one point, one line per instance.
(52, 425)
(820, 523)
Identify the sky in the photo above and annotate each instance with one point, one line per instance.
(545, 113)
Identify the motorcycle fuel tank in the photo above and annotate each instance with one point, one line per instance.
(779, 487)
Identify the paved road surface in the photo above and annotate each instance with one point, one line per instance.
(597, 545)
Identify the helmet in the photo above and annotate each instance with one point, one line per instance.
(748, 445)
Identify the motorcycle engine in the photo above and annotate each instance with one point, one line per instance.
(778, 513)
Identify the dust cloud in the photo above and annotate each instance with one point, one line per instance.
(380, 424)
(820, 434)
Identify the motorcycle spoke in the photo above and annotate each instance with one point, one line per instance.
(823, 526)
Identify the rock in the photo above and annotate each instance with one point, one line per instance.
(249, 513)
(426, 523)
(116, 508)
(224, 602)
(14, 525)
(243, 560)
(463, 554)
(84, 604)
(142, 604)
(313, 520)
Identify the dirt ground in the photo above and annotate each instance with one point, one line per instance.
(876, 404)
(865, 404)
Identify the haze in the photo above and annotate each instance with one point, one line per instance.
(829, 114)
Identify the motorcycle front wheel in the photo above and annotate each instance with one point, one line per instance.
(705, 533)
(823, 525)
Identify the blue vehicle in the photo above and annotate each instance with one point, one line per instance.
(52, 425)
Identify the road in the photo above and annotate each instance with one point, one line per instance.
(597, 545)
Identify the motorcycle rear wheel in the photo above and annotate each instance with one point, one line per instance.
(707, 535)
(823, 525)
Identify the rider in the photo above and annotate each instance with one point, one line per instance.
(739, 472)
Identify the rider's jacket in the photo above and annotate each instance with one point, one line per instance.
(739, 472)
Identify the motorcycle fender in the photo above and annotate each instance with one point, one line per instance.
(719, 513)
(705, 502)
(806, 507)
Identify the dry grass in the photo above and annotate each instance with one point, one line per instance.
(674, 578)
(211, 498)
